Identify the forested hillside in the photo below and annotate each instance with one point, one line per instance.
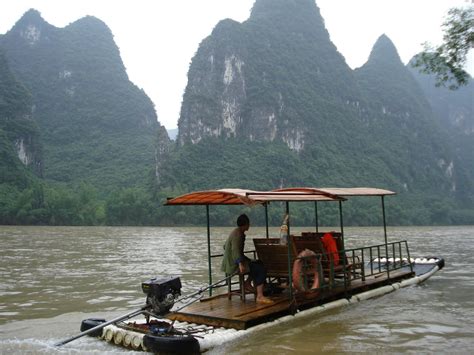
(404, 123)
(20, 147)
(455, 111)
(96, 132)
(97, 127)
(282, 107)
(269, 103)
(277, 76)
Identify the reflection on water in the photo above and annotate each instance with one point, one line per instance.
(52, 278)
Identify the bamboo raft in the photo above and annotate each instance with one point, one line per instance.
(219, 311)
(359, 274)
(217, 320)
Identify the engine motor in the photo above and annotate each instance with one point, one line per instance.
(161, 293)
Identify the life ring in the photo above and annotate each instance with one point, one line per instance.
(91, 323)
(298, 275)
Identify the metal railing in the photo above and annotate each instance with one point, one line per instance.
(374, 259)
(355, 264)
(358, 264)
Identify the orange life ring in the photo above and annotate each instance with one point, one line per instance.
(297, 273)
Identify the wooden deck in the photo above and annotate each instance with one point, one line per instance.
(220, 311)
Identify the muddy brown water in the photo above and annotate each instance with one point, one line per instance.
(51, 278)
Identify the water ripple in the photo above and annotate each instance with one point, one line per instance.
(52, 278)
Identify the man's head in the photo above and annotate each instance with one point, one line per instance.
(243, 220)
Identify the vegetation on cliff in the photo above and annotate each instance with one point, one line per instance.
(269, 103)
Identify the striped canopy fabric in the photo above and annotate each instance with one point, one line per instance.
(344, 191)
(250, 197)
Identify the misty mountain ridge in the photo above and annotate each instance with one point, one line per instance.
(251, 77)
(454, 110)
(277, 78)
(96, 125)
(269, 103)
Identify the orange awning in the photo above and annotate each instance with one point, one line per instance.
(250, 197)
(213, 197)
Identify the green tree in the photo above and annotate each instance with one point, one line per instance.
(91, 209)
(447, 60)
(63, 206)
(129, 207)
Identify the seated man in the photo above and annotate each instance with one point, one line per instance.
(234, 259)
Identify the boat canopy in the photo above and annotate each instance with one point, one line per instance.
(251, 197)
(342, 191)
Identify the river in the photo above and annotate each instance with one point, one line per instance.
(51, 278)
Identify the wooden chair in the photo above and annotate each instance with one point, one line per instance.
(241, 291)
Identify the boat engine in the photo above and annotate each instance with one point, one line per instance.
(161, 293)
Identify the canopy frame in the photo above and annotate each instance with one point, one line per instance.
(287, 195)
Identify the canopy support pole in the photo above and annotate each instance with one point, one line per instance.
(316, 215)
(341, 222)
(290, 276)
(209, 248)
(266, 217)
(385, 236)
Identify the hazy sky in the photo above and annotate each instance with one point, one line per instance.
(158, 38)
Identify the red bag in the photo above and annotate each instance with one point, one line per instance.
(330, 246)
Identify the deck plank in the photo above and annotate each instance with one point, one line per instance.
(233, 313)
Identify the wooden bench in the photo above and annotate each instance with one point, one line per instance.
(313, 243)
(348, 266)
(274, 256)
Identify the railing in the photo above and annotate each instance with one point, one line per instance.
(358, 264)
(355, 264)
(377, 260)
